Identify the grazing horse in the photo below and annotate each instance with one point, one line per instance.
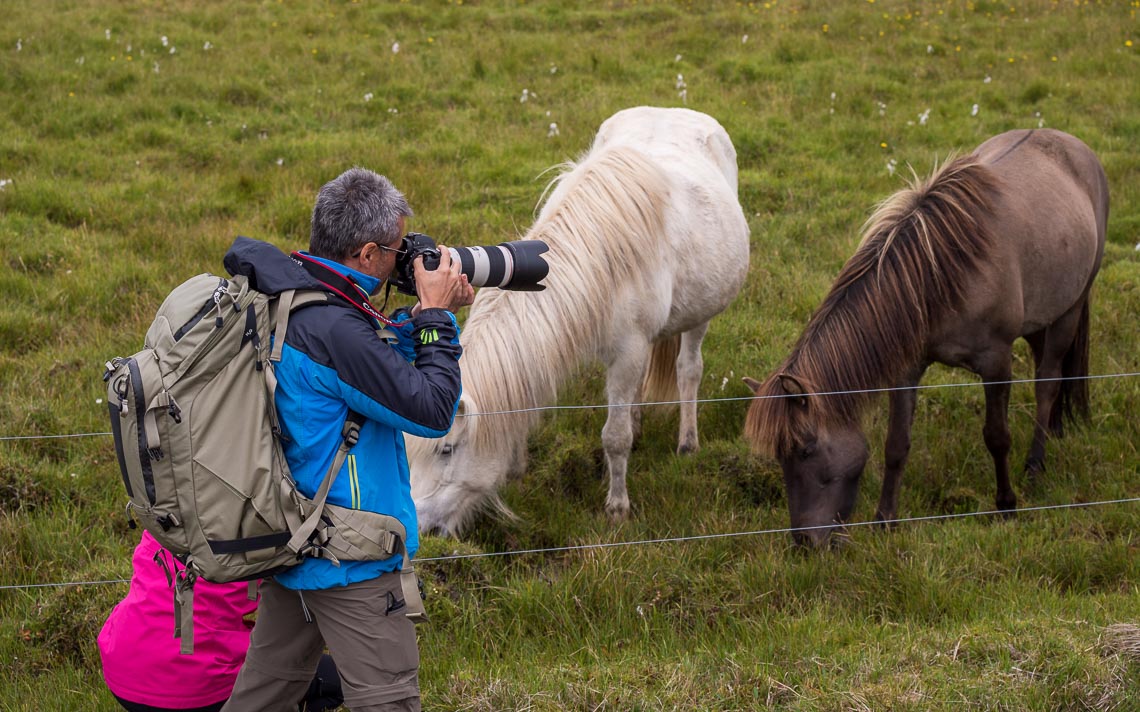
(648, 242)
(1000, 244)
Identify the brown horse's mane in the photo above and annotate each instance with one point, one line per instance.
(913, 266)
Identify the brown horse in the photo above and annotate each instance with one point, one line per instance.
(1000, 244)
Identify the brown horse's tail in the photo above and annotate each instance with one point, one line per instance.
(1073, 401)
(661, 376)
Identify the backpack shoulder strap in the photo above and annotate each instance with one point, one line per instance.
(286, 303)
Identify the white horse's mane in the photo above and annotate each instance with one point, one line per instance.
(601, 223)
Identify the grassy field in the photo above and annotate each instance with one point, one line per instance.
(138, 138)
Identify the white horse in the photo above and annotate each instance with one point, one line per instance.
(647, 242)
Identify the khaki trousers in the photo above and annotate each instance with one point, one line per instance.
(374, 648)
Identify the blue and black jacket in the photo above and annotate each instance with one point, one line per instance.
(335, 361)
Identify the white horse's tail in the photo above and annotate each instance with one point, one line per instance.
(661, 376)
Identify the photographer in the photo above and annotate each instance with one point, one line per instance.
(339, 358)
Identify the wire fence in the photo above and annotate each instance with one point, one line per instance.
(681, 539)
(596, 406)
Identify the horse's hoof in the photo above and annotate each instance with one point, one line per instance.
(617, 512)
(687, 448)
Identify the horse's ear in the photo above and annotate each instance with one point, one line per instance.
(464, 415)
(792, 386)
(753, 384)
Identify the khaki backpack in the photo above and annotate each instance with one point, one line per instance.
(197, 440)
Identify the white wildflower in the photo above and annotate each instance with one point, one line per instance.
(73, 475)
(207, 46)
(525, 95)
(165, 41)
(930, 49)
(923, 117)
(987, 80)
(280, 161)
(393, 110)
(641, 611)
(681, 81)
(98, 401)
(553, 69)
(107, 33)
(684, 94)
(892, 166)
(553, 130)
(128, 48)
(743, 39)
(974, 110)
(173, 50)
(723, 382)
(368, 96)
(20, 44)
(156, 67)
(882, 108)
(80, 61)
(5, 182)
(1138, 246)
(677, 58)
(395, 48)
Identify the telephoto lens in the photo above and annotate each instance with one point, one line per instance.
(517, 265)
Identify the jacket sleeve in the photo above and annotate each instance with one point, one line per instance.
(375, 380)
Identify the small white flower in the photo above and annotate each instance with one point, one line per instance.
(172, 50)
(1138, 246)
(280, 161)
(930, 49)
(107, 33)
(80, 61)
(393, 110)
(209, 122)
(987, 80)
(974, 110)
(882, 108)
(98, 401)
(743, 39)
(641, 611)
(553, 130)
(207, 46)
(395, 48)
(156, 67)
(165, 41)
(73, 475)
(553, 69)
(128, 48)
(525, 95)
(368, 96)
(684, 94)
(677, 58)
(1040, 123)
(20, 44)
(263, 134)
(892, 165)
(681, 81)
(723, 382)
(923, 117)
(4, 183)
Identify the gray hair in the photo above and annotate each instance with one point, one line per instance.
(353, 209)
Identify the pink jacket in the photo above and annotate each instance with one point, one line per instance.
(141, 662)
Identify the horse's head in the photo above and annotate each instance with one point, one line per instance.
(822, 458)
(451, 478)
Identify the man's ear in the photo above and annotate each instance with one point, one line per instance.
(792, 387)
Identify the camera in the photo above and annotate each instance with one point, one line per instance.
(517, 265)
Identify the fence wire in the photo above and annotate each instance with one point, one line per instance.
(679, 539)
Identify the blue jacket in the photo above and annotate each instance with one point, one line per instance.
(334, 360)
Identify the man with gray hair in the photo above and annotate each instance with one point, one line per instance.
(401, 374)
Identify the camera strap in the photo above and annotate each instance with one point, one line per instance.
(340, 285)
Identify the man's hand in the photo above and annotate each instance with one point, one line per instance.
(444, 287)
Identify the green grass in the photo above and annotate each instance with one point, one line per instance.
(133, 167)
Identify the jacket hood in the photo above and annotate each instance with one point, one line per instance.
(268, 269)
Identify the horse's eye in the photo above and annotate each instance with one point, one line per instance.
(446, 449)
(807, 451)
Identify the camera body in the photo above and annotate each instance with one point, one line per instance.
(517, 265)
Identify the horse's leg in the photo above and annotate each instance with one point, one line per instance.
(996, 373)
(902, 403)
(690, 368)
(1049, 348)
(623, 384)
